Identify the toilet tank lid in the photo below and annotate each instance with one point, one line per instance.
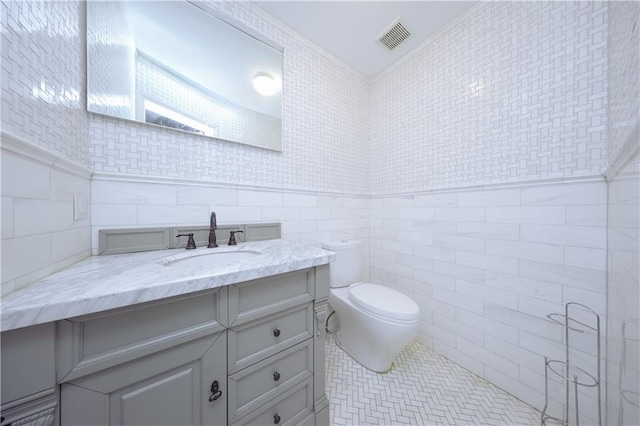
(342, 245)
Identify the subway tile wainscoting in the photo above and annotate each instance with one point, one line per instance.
(486, 266)
(472, 167)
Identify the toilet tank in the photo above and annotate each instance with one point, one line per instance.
(346, 269)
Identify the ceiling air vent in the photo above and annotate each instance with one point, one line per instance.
(393, 35)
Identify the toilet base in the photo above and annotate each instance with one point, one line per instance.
(338, 342)
(372, 341)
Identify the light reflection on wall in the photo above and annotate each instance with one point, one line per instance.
(56, 96)
(108, 100)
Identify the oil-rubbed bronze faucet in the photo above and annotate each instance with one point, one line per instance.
(191, 244)
(212, 231)
(232, 238)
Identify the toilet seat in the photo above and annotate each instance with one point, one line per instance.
(384, 302)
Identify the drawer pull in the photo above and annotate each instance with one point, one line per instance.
(276, 419)
(215, 391)
(276, 376)
(276, 332)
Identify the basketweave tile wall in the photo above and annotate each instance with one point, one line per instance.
(43, 95)
(325, 129)
(624, 63)
(513, 91)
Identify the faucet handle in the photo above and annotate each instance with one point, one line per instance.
(232, 238)
(191, 244)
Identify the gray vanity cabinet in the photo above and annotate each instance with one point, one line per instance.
(271, 329)
(170, 388)
(151, 364)
(28, 376)
(250, 353)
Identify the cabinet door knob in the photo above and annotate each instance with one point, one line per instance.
(215, 391)
(276, 332)
(276, 419)
(276, 376)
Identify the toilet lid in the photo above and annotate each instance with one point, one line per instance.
(383, 301)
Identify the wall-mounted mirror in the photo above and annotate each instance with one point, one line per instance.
(175, 64)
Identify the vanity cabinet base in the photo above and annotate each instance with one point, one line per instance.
(34, 410)
(249, 353)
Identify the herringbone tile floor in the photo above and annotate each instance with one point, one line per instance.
(424, 388)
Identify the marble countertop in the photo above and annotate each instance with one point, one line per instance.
(100, 283)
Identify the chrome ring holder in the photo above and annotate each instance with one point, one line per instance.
(569, 372)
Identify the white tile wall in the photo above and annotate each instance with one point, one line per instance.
(623, 260)
(514, 91)
(124, 202)
(325, 129)
(43, 76)
(623, 66)
(496, 261)
(44, 119)
(623, 297)
(39, 233)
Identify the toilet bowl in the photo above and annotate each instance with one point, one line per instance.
(376, 322)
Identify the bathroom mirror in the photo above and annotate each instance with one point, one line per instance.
(176, 64)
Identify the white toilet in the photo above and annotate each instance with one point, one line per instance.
(376, 322)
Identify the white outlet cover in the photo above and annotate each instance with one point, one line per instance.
(80, 206)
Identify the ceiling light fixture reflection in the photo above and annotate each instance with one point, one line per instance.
(265, 84)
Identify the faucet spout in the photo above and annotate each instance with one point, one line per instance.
(212, 231)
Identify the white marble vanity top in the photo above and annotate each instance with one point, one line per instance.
(100, 283)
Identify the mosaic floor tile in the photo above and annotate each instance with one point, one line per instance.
(423, 388)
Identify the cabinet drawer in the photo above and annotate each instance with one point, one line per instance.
(95, 342)
(256, 340)
(292, 407)
(262, 382)
(258, 298)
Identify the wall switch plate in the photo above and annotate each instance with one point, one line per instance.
(80, 206)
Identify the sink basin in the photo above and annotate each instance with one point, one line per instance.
(211, 258)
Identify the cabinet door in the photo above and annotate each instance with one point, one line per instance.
(172, 387)
(28, 362)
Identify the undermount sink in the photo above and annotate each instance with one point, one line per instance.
(211, 258)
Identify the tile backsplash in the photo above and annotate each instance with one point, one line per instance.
(306, 217)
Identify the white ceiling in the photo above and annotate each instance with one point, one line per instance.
(349, 29)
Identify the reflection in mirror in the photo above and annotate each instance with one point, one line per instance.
(175, 64)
